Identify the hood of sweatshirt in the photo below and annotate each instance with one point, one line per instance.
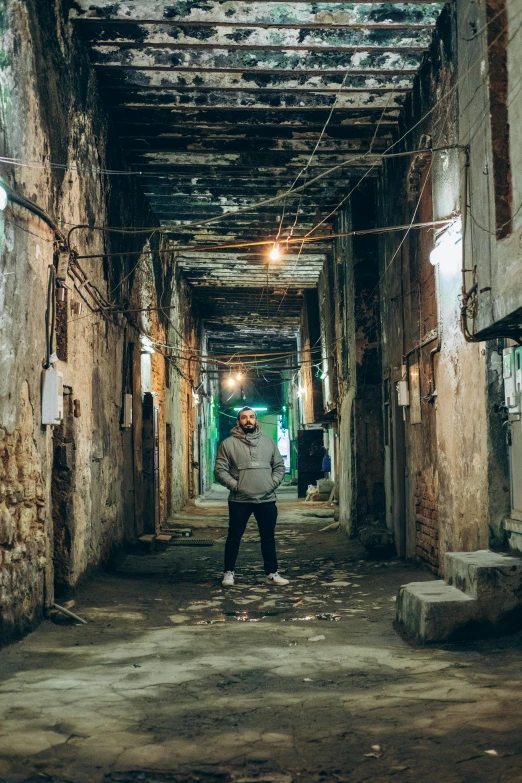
(247, 437)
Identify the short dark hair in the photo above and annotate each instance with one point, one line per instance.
(246, 408)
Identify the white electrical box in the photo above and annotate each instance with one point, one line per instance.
(52, 396)
(127, 411)
(512, 379)
(62, 266)
(403, 393)
(518, 371)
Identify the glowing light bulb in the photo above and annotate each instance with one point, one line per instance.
(274, 253)
(239, 377)
(447, 253)
(231, 382)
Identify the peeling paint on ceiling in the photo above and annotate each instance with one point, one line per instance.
(219, 104)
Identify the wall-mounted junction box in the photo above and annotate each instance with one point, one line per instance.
(512, 374)
(127, 411)
(518, 371)
(62, 266)
(52, 396)
(403, 394)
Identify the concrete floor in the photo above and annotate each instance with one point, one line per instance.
(174, 679)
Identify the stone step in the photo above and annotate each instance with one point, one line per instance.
(433, 611)
(481, 596)
(488, 576)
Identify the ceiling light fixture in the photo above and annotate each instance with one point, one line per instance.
(231, 382)
(255, 408)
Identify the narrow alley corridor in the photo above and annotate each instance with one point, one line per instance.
(176, 679)
(260, 391)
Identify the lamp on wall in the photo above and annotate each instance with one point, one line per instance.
(447, 253)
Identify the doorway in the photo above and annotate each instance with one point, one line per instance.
(62, 488)
(310, 450)
(151, 463)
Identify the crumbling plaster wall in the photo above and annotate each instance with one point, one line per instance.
(345, 356)
(163, 303)
(185, 331)
(457, 445)
(306, 372)
(50, 111)
(354, 345)
(498, 261)
(369, 446)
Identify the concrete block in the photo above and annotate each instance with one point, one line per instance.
(513, 528)
(433, 611)
(481, 596)
(489, 576)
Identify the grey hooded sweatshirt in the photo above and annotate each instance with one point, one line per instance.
(250, 466)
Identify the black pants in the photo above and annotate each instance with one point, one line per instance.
(266, 518)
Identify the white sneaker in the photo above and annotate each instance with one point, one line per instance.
(276, 579)
(228, 579)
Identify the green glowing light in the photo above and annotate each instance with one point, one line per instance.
(252, 408)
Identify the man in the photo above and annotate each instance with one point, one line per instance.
(250, 466)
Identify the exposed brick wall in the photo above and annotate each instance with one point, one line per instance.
(427, 521)
(23, 520)
(49, 93)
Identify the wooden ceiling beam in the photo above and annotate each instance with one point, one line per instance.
(208, 132)
(238, 58)
(267, 14)
(284, 174)
(251, 146)
(297, 38)
(131, 79)
(220, 194)
(250, 160)
(288, 120)
(349, 100)
(260, 12)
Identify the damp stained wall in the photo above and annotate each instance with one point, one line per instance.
(490, 103)
(64, 495)
(446, 474)
(183, 332)
(349, 301)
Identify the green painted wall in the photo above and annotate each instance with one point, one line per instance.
(268, 424)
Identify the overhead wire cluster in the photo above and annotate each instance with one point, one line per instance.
(103, 306)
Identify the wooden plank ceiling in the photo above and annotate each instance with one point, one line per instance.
(220, 104)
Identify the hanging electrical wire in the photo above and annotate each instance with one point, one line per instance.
(50, 318)
(410, 130)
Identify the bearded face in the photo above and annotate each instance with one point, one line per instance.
(247, 421)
